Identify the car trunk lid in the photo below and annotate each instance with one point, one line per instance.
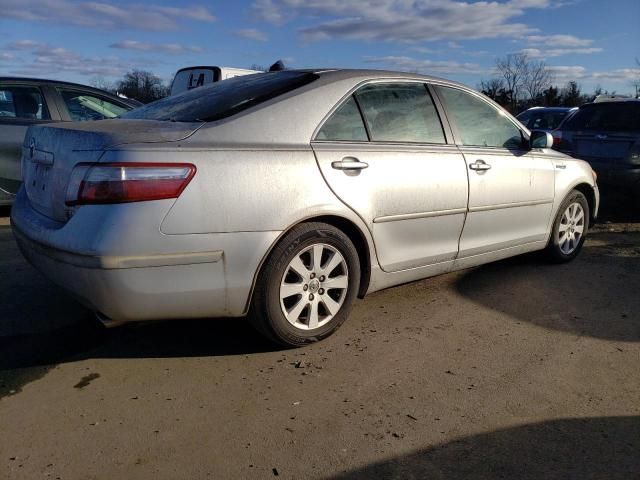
(49, 153)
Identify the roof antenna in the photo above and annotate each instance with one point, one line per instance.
(277, 67)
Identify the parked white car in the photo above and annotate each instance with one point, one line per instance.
(286, 195)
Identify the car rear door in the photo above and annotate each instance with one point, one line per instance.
(511, 191)
(397, 171)
(21, 105)
(607, 135)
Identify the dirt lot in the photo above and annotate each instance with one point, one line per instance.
(514, 370)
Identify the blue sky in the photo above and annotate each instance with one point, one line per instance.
(590, 41)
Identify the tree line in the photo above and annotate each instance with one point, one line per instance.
(140, 85)
(521, 82)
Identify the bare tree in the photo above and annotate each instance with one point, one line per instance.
(536, 78)
(143, 86)
(513, 68)
(102, 83)
(636, 82)
(491, 87)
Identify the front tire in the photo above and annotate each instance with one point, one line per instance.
(307, 285)
(569, 228)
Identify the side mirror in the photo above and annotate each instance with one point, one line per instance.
(540, 139)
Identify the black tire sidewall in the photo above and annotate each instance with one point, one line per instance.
(291, 245)
(553, 247)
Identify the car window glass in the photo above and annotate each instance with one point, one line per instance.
(23, 103)
(524, 117)
(478, 122)
(219, 100)
(345, 124)
(545, 120)
(620, 117)
(83, 106)
(400, 112)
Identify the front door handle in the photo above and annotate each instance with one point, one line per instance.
(349, 163)
(479, 166)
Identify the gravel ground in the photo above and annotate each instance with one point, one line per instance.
(518, 369)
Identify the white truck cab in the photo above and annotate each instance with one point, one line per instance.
(192, 77)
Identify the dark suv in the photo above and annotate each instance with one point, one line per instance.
(607, 135)
(26, 101)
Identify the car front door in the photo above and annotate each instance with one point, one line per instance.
(21, 105)
(384, 152)
(511, 191)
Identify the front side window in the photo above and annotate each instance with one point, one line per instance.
(479, 123)
(83, 106)
(345, 124)
(24, 103)
(400, 112)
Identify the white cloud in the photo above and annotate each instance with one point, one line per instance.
(619, 75)
(102, 15)
(402, 20)
(566, 41)
(427, 66)
(564, 73)
(42, 60)
(558, 52)
(423, 50)
(172, 48)
(252, 34)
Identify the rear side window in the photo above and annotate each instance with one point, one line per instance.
(24, 103)
(400, 112)
(345, 124)
(82, 106)
(479, 123)
(223, 99)
(617, 117)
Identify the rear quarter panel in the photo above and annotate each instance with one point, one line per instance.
(251, 190)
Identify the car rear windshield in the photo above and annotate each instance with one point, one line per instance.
(614, 117)
(222, 99)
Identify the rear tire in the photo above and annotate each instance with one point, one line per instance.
(307, 285)
(569, 228)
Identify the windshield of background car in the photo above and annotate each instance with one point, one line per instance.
(548, 120)
(616, 117)
(222, 99)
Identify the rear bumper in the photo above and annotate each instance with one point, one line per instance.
(621, 175)
(179, 280)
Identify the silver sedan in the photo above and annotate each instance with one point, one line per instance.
(284, 196)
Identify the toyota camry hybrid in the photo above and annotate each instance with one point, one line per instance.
(284, 196)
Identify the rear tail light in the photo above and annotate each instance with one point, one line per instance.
(100, 183)
(557, 138)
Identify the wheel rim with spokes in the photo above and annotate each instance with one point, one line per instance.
(571, 228)
(314, 286)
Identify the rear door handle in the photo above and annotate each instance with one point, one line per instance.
(479, 166)
(349, 163)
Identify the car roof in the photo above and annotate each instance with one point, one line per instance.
(629, 101)
(551, 109)
(347, 73)
(44, 81)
